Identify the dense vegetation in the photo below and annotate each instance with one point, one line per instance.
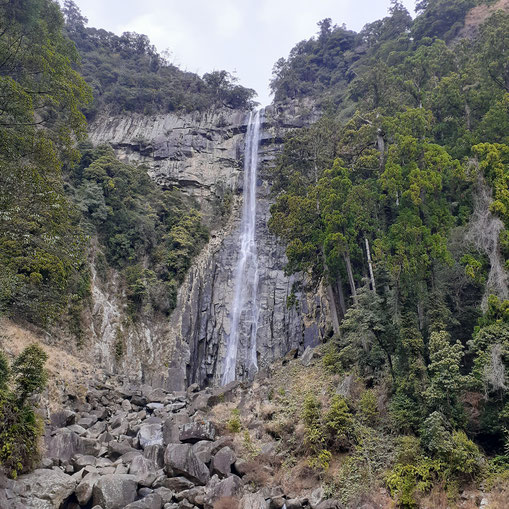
(60, 198)
(127, 74)
(149, 234)
(20, 427)
(398, 198)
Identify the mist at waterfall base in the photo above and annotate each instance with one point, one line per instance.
(244, 312)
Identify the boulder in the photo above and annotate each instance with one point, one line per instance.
(144, 470)
(253, 501)
(229, 487)
(307, 356)
(193, 432)
(115, 491)
(222, 462)
(177, 484)
(52, 486)
(117, 449)
(152, 501)
(165, 494)
(171, 428)
(85, 488)
(180, 459)
(205, 449)
(150, 434)
(155, 453)
(63, 446)
(62, 419)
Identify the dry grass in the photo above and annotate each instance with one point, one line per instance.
(226, 503)
(66, 372)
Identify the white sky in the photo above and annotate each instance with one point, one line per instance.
(245, 37)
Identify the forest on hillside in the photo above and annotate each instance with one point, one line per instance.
(398, 197)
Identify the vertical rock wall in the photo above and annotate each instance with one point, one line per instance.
(202, 154)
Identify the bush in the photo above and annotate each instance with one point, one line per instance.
(234, 425)
(20, 428)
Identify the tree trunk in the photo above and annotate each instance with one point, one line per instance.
(334, 309)
(351, 280)
(370, 264)
(341, 295)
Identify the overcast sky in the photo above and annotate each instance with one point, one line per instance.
(245, 37)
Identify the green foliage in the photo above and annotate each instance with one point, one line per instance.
(149, 234)
(20, 428)
(338, 422)
(127, 74)
(41, 245)
(234, 424)
(405, 482)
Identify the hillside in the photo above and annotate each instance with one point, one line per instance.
(342, 255)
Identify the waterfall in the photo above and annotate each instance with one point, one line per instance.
(244, 311)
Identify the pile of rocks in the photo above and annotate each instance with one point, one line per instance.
(136, 447)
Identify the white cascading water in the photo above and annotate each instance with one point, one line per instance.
(244, 312)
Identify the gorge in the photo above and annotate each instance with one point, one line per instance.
(205, 304)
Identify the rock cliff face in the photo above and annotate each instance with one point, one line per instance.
(202, 155)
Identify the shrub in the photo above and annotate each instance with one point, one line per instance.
(339, 422)
(234, 425)
(368, 408)
(20, 428)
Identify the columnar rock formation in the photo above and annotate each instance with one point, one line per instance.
(202, 155)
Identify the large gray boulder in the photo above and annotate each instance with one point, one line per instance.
(150, 434)
(171, 428)
(179, 459)
(115, 491)
(85, 488)
(223, 461)
(253, 501)
(63, 446)
(51, 486)
(193, 432)
(229, 487)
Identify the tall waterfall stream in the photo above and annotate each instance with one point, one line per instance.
(245, 307)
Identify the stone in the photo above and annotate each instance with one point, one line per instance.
(165, 494)
(317, 496)
(141, 467)
(150, 434)
(87, 422)
(63, 418)
(115, 491)
(126, 405)
(152, 501)
(205, 449)
(63, 446)
(85, 488)
(155, 453)
(80, 461)
(229, 487)
(156, 395)
(253, 501)
(181, 460)
(193, 432)
(52, 486)
(222, 462)
(171, 428)
(177, 484)
(117, 449)
(293, 503)
(307, 356)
